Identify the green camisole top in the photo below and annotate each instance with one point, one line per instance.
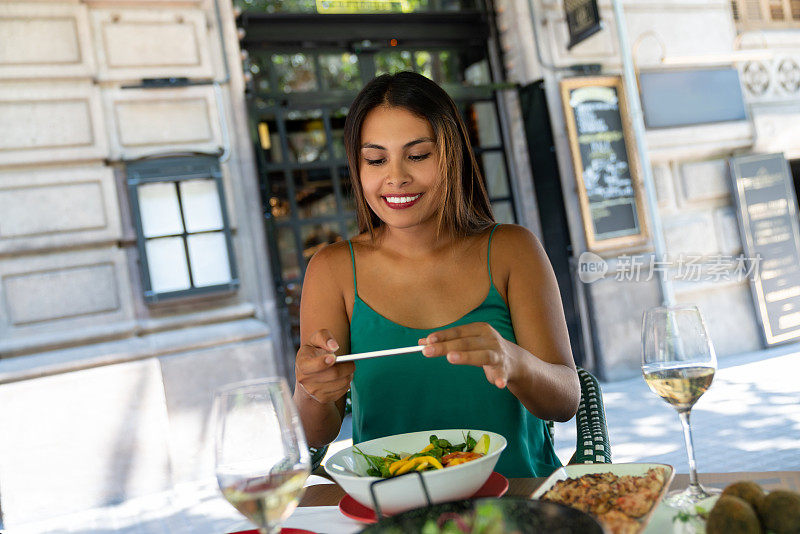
(409, 393)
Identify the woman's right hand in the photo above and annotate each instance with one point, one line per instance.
(316, 369)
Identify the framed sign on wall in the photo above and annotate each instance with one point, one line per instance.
(583, 20)
(609, 186)
(768, 221)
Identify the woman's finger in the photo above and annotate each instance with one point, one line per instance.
(324, 339)
(491, 361)
(495, 378)
(312, 359)
(459, 345)
(328, 384)
(465, 330)
(335, 389)
(325, 393)
(480, 358)
(327, 373)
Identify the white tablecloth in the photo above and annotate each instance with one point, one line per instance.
(322, 519)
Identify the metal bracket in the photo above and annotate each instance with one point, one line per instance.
(378, 513)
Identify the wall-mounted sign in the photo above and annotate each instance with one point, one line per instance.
(768, 220)
(360, 6)
(583, 20)
(609, 187)
(673, 98)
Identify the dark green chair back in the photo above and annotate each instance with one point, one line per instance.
(592, 446)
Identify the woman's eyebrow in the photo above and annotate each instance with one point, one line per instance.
(409, 144)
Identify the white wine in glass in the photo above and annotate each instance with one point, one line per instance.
(262, 460)
(678, 363)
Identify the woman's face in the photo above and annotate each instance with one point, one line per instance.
(399, 166)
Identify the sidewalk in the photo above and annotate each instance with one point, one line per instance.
(749, 420)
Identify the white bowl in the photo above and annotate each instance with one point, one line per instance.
(398, 494)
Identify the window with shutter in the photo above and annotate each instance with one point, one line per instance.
(794, 6)
(756, 14)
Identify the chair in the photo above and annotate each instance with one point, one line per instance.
(592, 446)
(317, 455)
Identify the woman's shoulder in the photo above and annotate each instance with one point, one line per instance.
(331, 263)
(332, 256)
(516, 246)
(336, 259)
(513, 238)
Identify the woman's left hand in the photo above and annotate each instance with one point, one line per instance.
(477, 344)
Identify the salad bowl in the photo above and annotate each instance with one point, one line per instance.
(398, 494)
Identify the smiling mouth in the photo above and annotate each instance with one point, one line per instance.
(400, 202)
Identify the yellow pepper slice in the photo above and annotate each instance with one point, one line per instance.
(431, 460)
(408, 466)
(419, 463)
(396, 465)
(426, 449)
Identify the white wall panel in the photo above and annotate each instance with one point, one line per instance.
(48, 122)
(132, 44)
(67, 290)
(47, 208)
(45, 41)
(146, 121)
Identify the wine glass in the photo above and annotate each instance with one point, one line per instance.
(262, 460)
(678, 363)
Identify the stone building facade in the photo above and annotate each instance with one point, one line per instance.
(104, 397)
(690, 164)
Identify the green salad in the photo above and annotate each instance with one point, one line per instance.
(438, 454)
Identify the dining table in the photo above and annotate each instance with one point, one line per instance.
(318, 510)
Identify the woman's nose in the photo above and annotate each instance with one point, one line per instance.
(397, 175)
(397, 181)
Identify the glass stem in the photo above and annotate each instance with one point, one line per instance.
(687, 436)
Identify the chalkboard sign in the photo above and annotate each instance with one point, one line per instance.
(583, 20)
(768, 220)
(609, 188)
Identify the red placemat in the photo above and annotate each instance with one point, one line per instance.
(495, 486)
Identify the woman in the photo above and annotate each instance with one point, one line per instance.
(431, 267)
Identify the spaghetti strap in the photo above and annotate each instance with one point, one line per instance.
(488, 255)
(353, 258)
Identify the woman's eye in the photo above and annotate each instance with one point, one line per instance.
(374, 161)
(420, 157)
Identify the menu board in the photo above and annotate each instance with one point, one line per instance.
(768, 220)
(583, 20)
(608, 183)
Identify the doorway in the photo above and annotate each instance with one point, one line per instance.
(305, 70)
(552, 212)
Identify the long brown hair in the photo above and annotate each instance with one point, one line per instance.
(466, 209)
